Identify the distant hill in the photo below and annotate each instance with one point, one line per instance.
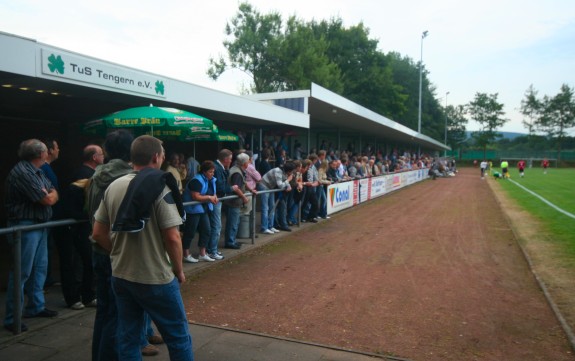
(506, 135)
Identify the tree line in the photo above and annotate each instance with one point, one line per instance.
(280, 55)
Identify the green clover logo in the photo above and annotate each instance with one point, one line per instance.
(56, 64)
(159, 87)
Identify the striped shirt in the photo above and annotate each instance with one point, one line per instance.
(312, 174)
(252, 176)
(25, 186)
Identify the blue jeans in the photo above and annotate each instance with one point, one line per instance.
(232, 225)
(147, 330)
(105, 324)
(293, 208)
(281, 214)
(164, 305)
(268, 211)
(215, 228)
(34, 265)
(322, 200)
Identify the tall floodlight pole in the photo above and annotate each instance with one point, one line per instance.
(423, 35)
(445, 137)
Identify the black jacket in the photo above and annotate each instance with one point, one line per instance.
(142, 191)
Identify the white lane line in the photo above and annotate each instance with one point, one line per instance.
(543, 199)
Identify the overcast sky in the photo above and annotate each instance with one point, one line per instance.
(481, 46)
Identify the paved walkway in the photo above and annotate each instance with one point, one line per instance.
(69, 336)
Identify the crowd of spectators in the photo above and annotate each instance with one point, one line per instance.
(290, 186)
(300, 177)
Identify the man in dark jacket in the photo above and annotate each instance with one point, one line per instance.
(222, 189)
(74, 249)
(144, 280)
(117, 147)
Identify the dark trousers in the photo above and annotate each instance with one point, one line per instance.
(104, 346)
(197, 222)
(310, 198)
(76, 273)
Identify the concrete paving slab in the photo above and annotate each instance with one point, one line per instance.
(26, 352)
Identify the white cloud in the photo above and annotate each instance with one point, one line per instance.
(489, 46)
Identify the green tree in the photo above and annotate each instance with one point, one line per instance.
(531, 108)
(345, 60)
(365, 71)
(456, 126)
(406, 78)
(488, 113)
(558, 115)
(304, 59)
(254, 48)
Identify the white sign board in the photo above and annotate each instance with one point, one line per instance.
(60, 64)
(339, 196)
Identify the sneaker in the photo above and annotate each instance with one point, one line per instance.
(205, 258)
(274, 230)
(78, 306)
(190, 259)
(326, 217)
(150, 350)
(268, 231)
(93, 303)
(217, 256)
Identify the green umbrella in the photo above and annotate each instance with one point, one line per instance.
(164, 123)
(218, 136)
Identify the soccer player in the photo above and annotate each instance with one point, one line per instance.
(521, 167)
(505, 169)
(483, 167)
(545, 165)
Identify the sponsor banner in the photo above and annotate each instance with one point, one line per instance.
(396, 181)
(403, 181)
(348, 194)
(377, 186)
(389, 183)
(355, 192)
(363, 189)
(411, 177)
(340, 196)
(60, 64)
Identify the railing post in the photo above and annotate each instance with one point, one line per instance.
(299, 211)
(17, 273)
(253, 219)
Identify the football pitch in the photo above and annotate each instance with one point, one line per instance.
(558, 188)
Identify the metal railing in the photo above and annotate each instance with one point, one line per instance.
(16, 242)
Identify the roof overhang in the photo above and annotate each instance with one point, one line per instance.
(329, 111)
(32, 86)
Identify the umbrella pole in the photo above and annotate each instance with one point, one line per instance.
(194, 149)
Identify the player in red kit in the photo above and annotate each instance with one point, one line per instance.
(545, 165)
(521, 167)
